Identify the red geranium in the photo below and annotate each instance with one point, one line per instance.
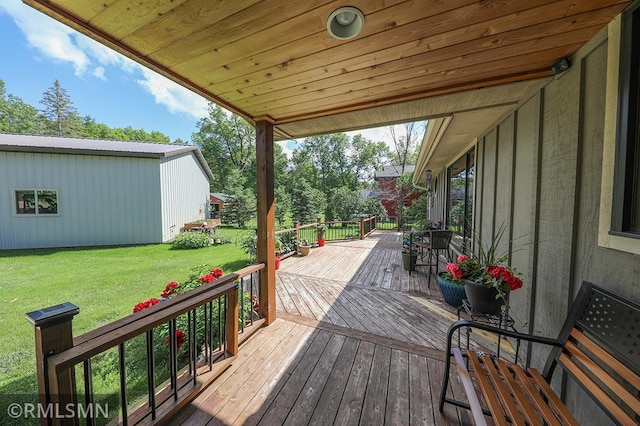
(170, 289)
(217, 273)
(145, 304)
(209, 278)
(179, 339)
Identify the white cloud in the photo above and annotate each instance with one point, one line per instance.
(99, 73)
(50, 38)
(175, 97)
(58, 42)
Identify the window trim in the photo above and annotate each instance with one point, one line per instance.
(627, 140)
(37, 212)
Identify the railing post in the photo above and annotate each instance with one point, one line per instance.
(362, 228)
(296, 225)
(232, 322)
(54, 334)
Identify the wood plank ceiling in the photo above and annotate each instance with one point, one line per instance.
(273, 59)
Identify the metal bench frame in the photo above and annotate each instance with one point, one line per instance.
(598, 346)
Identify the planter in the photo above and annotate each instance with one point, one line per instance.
(483, 299)
(277, 263)
(320, 242)
(452, 293)
(409, 260)
(304, 250)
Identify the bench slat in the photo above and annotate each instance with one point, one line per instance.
(507, 399)
(487, 390)
(594, 368)
(519, 390)
(554, 401)
(607, 358)
(595, 390)
(547, 414)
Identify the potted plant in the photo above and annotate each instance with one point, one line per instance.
(486, 278)
(304, 247)
(278, 243)
(321, 230)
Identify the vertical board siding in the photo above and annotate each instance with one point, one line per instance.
(185, 193)
(504, 182)
(557, 168)
(102, 200)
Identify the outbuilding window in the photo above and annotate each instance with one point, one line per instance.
(625, 218)
(36, 201)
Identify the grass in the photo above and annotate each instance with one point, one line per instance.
(104, 282)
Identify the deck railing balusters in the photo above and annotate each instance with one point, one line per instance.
(123, 385)
(173, 358)
(88, 390)
(151, 378)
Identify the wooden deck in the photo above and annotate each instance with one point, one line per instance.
(358, 340)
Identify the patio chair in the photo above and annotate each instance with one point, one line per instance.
(433, 246)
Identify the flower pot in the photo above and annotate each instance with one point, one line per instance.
(277, 263)
(483, 299)
(452, 293)
(409, 259)
(320, 242)
(304, 250)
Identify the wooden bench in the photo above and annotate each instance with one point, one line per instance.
(598, 346)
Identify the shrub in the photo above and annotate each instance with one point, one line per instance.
(191, 240)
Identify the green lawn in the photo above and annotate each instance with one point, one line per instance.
(104, 282)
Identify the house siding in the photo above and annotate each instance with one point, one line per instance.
(538, 172)
(102, 200)
(184, 193)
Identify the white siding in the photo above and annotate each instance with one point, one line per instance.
(101, 200)
(185, 193)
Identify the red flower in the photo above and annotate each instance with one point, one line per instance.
(217, 273)
(179, 339)
(256, 303)
(209, 278)
(455, 270)
(145, 304)
(462, 258)
(169, 289)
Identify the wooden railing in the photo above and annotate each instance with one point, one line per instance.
(336, 231)
(216, 318)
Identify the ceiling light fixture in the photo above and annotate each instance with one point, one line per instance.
(345, 23)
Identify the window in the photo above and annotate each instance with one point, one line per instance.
(625, 216)
(36, 201)
(460, 176)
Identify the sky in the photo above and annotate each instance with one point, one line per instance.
(35, 50)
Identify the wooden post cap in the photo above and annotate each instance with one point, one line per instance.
(53, 314)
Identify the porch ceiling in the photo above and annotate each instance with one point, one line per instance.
(274, 60)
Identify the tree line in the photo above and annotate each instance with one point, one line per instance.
(324, 177)
(59, 117)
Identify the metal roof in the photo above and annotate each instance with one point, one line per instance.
(86, 146)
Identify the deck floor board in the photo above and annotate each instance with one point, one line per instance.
(358, 341)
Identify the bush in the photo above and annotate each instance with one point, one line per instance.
(191, 240)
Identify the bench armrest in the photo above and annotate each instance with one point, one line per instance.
(499, 331)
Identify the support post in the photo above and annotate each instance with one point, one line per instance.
(362, 228)
(54, 334)
(232, 322)
(266, 248)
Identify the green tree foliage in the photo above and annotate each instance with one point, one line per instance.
(307, 202)
(16, 116)
(61, 114)
(240, 206)
(227, 143)
(366, 157)
(343, 205)
(371, 205)
(406, 144)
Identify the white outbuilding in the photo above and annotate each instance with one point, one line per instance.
(67, 192)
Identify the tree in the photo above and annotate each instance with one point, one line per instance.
(343, 205)
(62, 116)
(240, 206)
(405, 144)
(227, 143)
(307, 202)
(372, 205)
(366, 157)
(16, 116)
